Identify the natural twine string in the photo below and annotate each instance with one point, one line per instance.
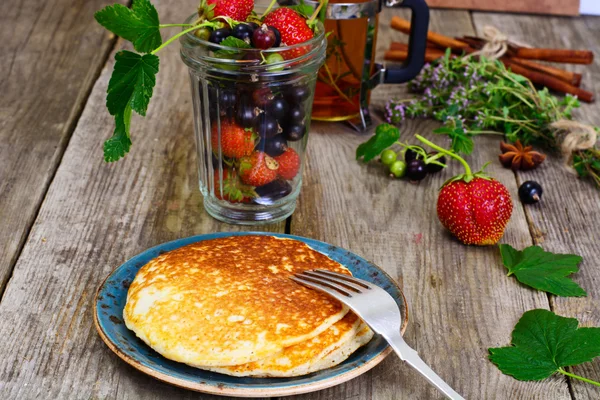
(496, 44)
(576, 137)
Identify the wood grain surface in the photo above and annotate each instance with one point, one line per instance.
(560, 7)
(51, 55)
(94, 216)
(567, 220)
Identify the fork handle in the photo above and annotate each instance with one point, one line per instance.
(409, 355)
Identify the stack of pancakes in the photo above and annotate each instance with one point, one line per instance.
(227, 305)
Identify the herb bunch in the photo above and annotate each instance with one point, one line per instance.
(473, 96)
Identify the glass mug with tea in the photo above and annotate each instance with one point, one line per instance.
(344, 82)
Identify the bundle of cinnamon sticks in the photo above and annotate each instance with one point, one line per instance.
(517, 58)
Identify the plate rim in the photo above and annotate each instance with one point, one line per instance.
(246, 392)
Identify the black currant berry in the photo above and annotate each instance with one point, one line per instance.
(246, 113)
(296, 115)
(433, 168)
(410, 154)
(277, 42)
(278, 108)
(416, 170)
(219, 35)
(298, 94)
(266, 126)
(530, 192)
(275, 146)
(243, 32)
(272, 192)
(294, 132)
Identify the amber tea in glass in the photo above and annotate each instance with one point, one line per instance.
(349, 73)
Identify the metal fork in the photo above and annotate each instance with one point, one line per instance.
(379, 310)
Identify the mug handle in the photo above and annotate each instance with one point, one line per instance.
(417, 42)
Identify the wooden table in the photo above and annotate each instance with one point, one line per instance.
(67, 219)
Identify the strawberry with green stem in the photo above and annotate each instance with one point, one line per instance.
(235, 141)
(472, 206)
(293, 26)
(258, 169)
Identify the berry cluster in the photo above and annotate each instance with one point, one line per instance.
(235, 18)
(417, 163)
(257, 127)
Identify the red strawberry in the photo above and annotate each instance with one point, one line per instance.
(238, 10)
(258, 169)
(231, 188)
(473, 207)
(293, 29)
(236, 142)
(477, 211)
(289, 164)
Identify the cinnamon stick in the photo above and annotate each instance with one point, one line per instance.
(557, 55)
(550, 82)
(403, 25)
(404, 46)
(572, 78)
(401, 55)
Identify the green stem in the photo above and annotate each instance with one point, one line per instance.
(175, 37)
(317, 11)
(268, 9)
(468, 171)
(485, 133)
(581, 378)
(173, 25)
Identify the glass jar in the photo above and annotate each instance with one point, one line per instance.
(251, 122)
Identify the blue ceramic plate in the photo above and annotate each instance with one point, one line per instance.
(112, 295)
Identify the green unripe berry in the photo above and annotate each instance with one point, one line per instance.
(388, 157)
(203, 33)
(274, 58)
(398, 168)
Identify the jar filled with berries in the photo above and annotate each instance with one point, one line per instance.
(252, 84)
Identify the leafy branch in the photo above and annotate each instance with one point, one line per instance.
(478, 96)
(134, 75)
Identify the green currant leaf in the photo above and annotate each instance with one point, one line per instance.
(132, 82)
(231, 41)
(385, 136)
(139, 24)
(543, 343)
(130, 88)
(119, 144)
(543, 270)
(303, 9)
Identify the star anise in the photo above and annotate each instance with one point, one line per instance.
(517, 157)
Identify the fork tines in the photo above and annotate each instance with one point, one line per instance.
(332, 282)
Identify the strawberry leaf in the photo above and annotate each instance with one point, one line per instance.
(385, 136)
(139, 25)
(129, 89)
(543, 270)
(303, 9)
(231, 41)
(543, 343)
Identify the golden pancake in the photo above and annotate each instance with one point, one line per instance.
(301, 358)
(230, 301)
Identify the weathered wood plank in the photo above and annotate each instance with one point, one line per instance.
(567, 219)
(52, 52)
(94, 217)
(459, 298)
